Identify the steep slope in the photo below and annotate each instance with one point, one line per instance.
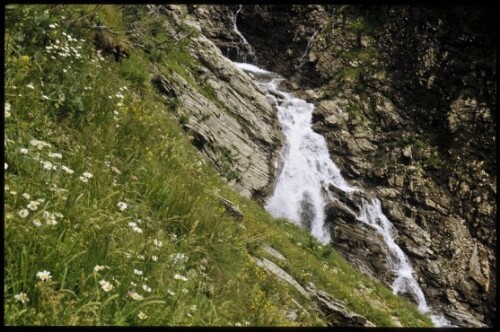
(113, 217)
(406, 99)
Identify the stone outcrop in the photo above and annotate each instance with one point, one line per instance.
(233, 124)
(334, 311)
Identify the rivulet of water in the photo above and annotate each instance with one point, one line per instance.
(234, 19)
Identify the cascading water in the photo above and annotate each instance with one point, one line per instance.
(242, 38)
(308, 47)
(305, 173)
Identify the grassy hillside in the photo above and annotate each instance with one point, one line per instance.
(111, 216)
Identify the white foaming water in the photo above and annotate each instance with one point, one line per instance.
(305, 172)
(305, 165)
(243, 39)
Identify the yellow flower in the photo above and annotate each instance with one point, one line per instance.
(24, 58)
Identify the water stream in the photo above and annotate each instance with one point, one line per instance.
(308, 47)
(247, 45)
(304, 177)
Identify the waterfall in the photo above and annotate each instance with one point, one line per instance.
(242, 38)
(304, 176)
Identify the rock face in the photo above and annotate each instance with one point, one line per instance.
(406, 100)
(439, 193)
(232, 122)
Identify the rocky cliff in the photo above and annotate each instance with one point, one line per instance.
(229, 118)
(405, 98)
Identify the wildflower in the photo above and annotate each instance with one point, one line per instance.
(52, 26)
(45, 97)
(47, 164)
(193, 307)
(172, 293)
(119, 95)
(67, 169)
(23, 151)
(116, 170)
(12, 192)
(27, 196)
(6, 166)
(142, 315)
(31, 86)
(154, 258)
(44, 275)
(132, 224)
(84, 179)
(55, 155)
(52, 222)
(98, 268)
(146, 288)
(138, 272)
(179, 277)
(137, 230)
(50, 218)
(185, 291)
(133, 283)
(106, 285)
(39, 144)
(33, 205)
(41, 200)
(23, 213)
(87, 175)
(158, 243)
(22, 297)
(37, 223)
(7, 110)
(122, 206)
(141, 257)
(179, 257)
(135, 296)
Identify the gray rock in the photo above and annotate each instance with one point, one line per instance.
(238, 130)
(475, 269)
(279, 273)
(335, 311)
(275, 253)
(407, 152)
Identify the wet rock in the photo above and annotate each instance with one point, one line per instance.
(361, 245)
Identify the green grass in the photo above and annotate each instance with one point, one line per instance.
(173, 255)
